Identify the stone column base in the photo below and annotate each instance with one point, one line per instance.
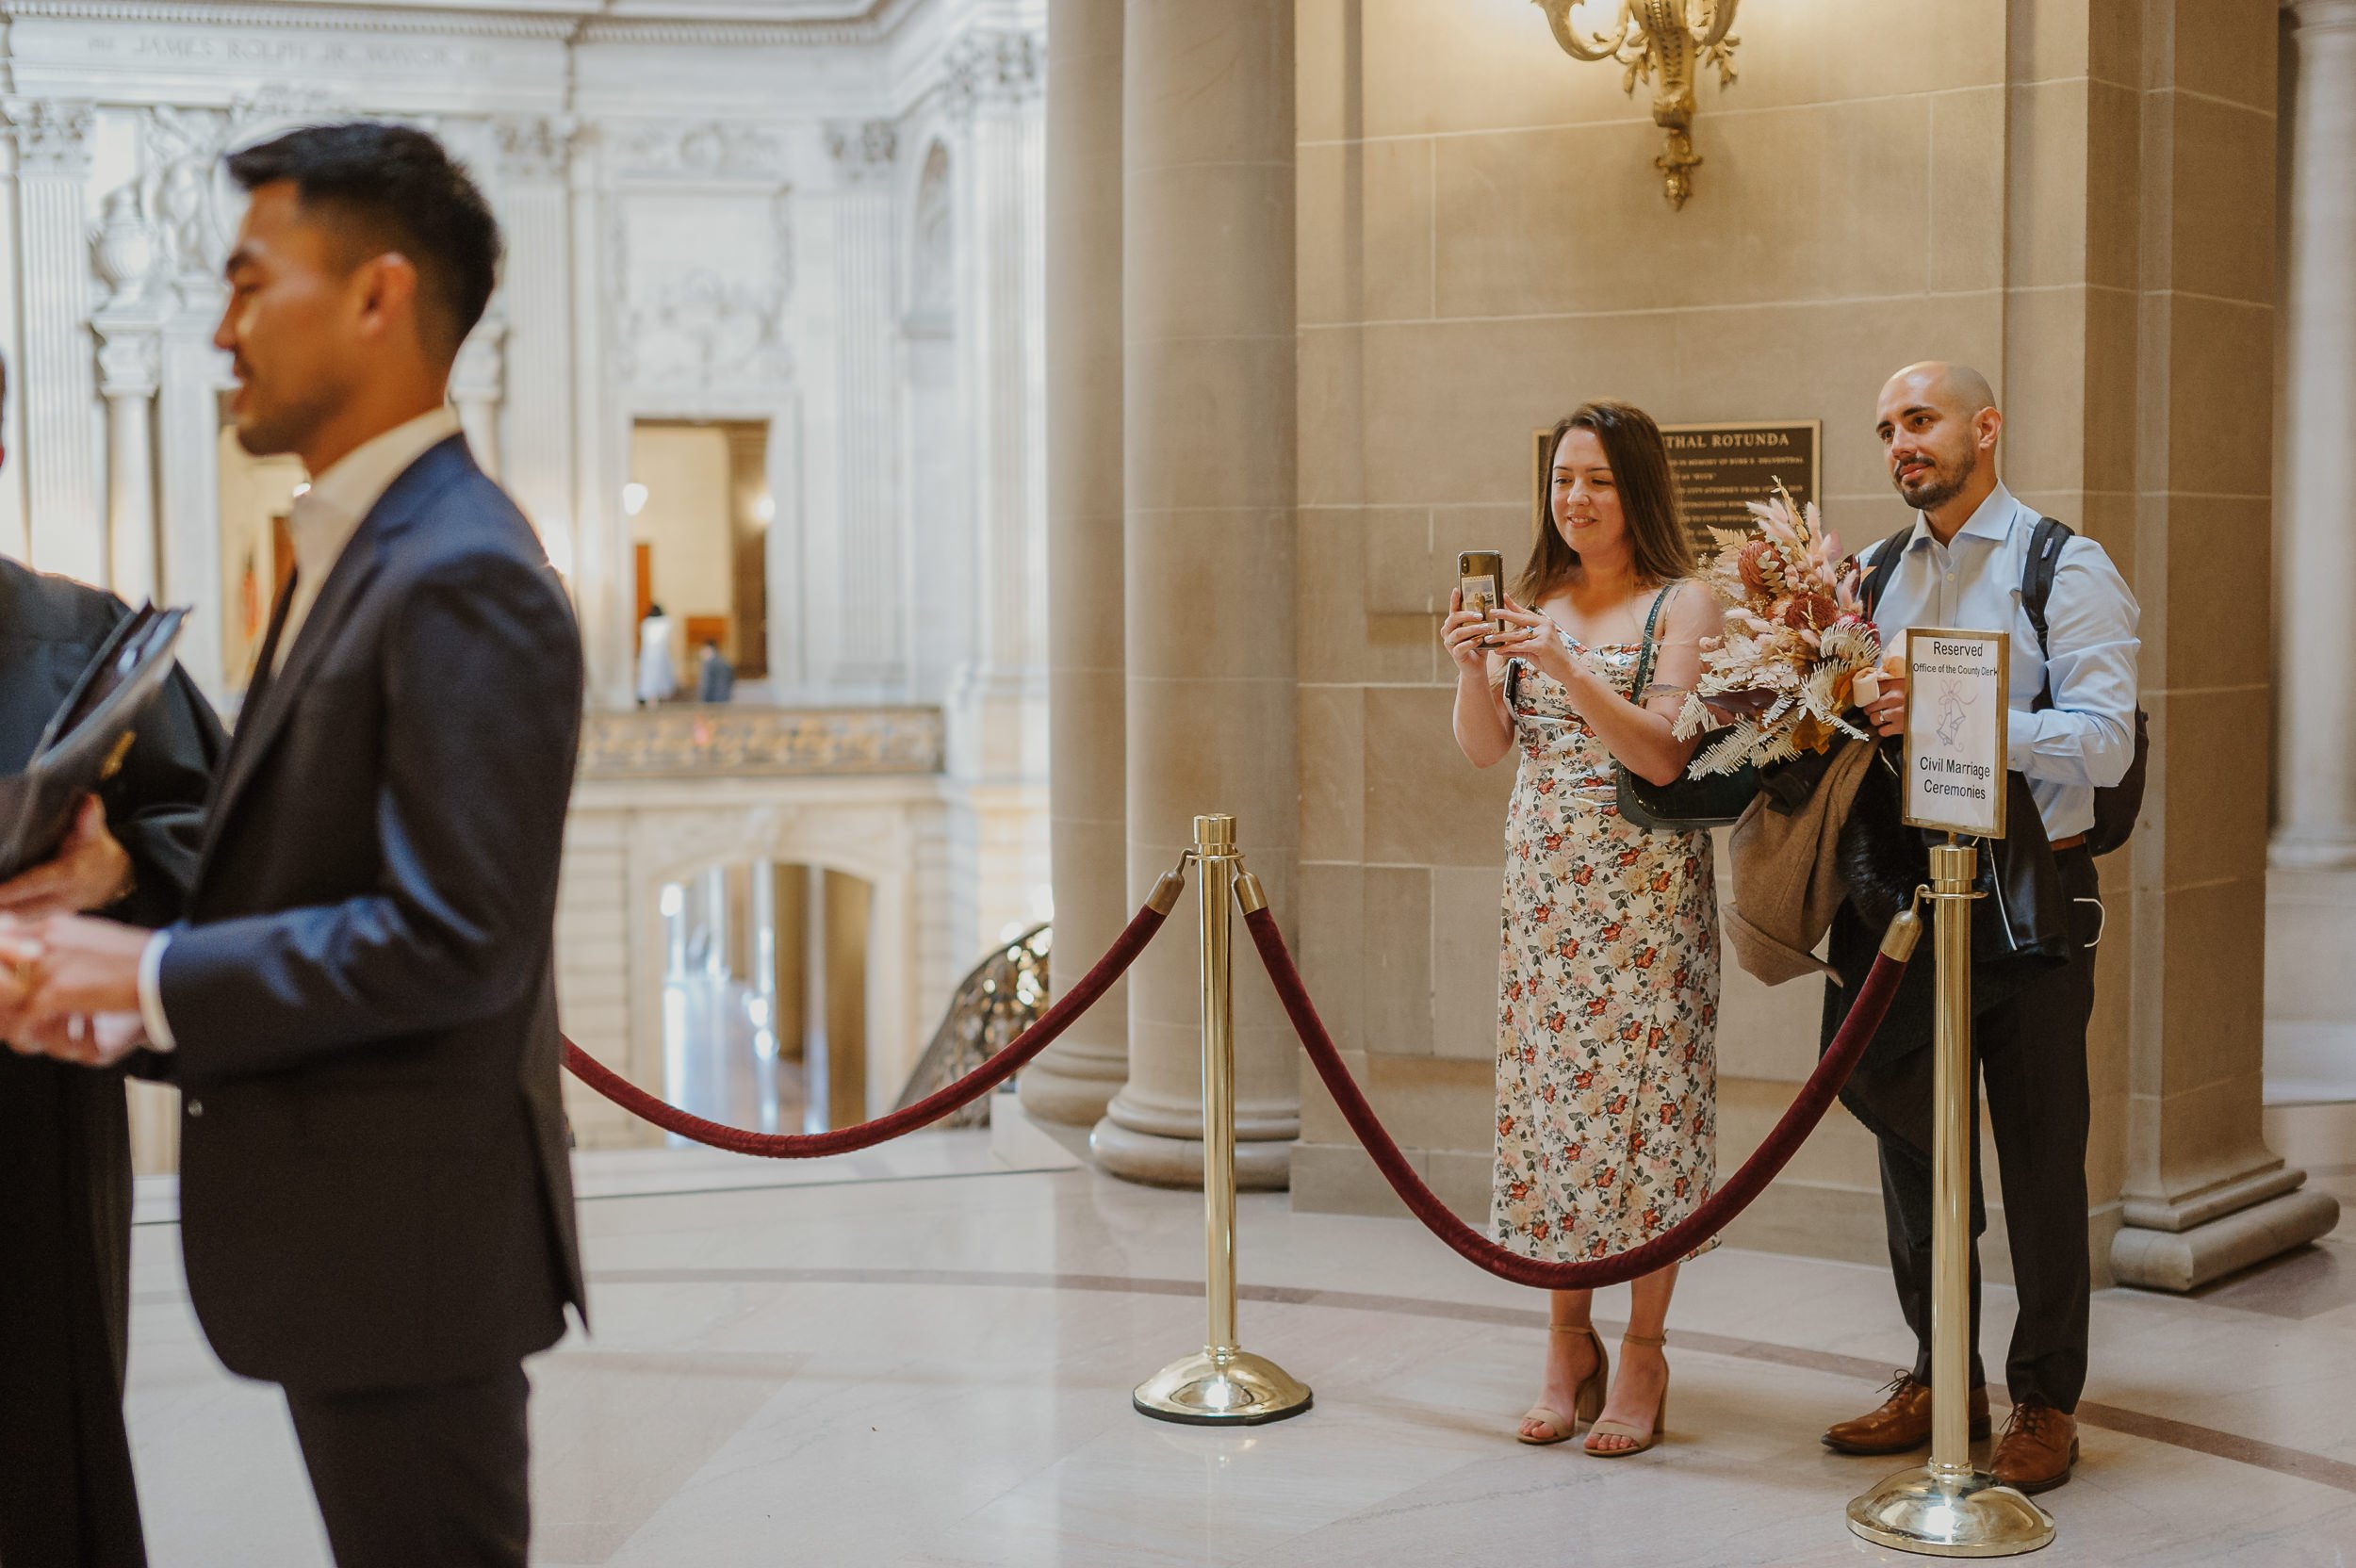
(1072, 1089)
(1261, 1164)
(2211, 1245)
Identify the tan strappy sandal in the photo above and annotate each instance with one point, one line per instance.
(1638, 1440)
(1588, 1402)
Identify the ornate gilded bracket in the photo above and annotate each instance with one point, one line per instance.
(1660, 42)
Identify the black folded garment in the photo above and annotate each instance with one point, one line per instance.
(85, 742)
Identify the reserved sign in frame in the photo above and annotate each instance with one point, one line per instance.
(1958, 729)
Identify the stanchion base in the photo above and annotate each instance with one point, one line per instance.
(1224, 1388)
(1941, 1512)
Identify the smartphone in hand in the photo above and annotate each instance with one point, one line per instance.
(1480, 575)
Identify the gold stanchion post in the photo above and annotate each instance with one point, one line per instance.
(1949, 1508)
(1224, 1385)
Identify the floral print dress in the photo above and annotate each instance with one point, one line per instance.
(1608, 996)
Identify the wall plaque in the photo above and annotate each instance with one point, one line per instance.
(1718, 469)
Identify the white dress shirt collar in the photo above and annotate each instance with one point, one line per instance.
(1992, 521)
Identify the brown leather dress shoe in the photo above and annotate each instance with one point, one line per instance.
(2040, 1446)
(1903, 1422)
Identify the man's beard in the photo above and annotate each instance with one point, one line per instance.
(1943, 487)
(273, 432)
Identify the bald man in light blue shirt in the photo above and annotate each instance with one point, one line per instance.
(2072, 731)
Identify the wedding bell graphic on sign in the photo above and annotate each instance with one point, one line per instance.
(1957, 729)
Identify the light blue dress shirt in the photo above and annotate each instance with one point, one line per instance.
(2086, 741)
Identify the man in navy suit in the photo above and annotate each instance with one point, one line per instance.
(359, 1006)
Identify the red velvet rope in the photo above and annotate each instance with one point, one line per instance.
(1731, 1198)
(841, 1140)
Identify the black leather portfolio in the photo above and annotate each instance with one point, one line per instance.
(85, 742)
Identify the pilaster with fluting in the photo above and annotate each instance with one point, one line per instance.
(1074, 1079)
(187, 428)
(56, 377)
(2315, 636)
(870, 639)
(603, 588)
(477, 384)
(994, 81)
(1208, 421)
(536, 154)
(190, 450)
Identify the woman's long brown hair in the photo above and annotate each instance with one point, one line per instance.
(1661, 548)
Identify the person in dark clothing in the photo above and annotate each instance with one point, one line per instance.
(359, 1005)
(66, 1498)
(715, 677)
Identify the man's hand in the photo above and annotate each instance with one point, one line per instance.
(19, 956)
(70, 988)
(88, 871)
(86, 966)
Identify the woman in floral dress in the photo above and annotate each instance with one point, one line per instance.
(1608, 990)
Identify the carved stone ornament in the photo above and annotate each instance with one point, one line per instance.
(130, 357)
(479, 374)
(52, 135)
(689, 329)
(185, 196)
(761, 741)
(536, 147)
(714, 148)
(991, 66)
(864, 151)
(125, 248)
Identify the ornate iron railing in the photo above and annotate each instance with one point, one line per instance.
(1000, 997)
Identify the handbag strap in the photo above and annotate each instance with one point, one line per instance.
(1644, 659)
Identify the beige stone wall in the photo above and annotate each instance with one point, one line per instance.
(2057, 195)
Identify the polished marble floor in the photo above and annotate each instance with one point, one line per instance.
(925, 1357)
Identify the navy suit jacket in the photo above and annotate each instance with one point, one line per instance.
(374, 1188)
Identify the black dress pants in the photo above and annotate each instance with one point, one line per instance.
(411, 1477)
(2031, 1052)
(66, 1497)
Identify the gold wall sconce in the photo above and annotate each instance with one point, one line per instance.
(1663, 43)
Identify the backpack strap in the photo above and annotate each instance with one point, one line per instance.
(1885, 567)
(2037, 573)
(2037, 587)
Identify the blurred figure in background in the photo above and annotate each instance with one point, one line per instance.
(715, 677)
(657, 676)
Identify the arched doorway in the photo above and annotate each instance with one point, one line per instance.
(764, 994)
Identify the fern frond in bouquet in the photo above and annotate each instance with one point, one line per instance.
(1777, 681)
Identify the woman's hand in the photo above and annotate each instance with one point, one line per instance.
(1532, 635)
(1465, 634)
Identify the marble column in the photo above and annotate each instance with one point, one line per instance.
(2201, 1195)
(536, 433)
(477, 383)
(130, 330)
(1074, 1079)
(56, 373)
(869, 655)
(2311, 889)
(130, 359)
(998, 712)
(1208, 411)
(2315, 639)
(603, 587)
(189, 444)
